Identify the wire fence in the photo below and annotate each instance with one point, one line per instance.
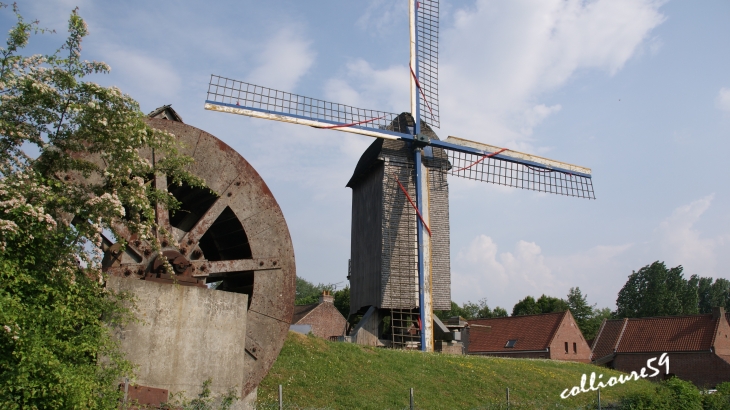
(510, 400)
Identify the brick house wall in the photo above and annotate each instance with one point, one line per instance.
(703, 369)
(326, 321)
(698, 346)
(542, 336)
(568, 342)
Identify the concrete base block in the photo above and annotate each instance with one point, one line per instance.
(185, 336)
(449, 347)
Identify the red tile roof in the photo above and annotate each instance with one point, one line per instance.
(605, 342)
(668, 334)
(532, 332)
(655, 334)
(302, 310)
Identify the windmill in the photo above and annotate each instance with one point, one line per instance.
(410, 132)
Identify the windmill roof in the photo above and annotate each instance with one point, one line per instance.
(371, 156)
(366, 162)
(531, 332)
(165, 112)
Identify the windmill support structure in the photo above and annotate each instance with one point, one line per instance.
(425, 296)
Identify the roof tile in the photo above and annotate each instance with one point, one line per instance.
(532, 332)
(668, 334)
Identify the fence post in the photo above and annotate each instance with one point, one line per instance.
(599, 399)
(412, 407)
(126, 392)
(281, 399)
(508, 397)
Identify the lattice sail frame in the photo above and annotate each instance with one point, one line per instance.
(427, 50)
(469, 159)
(279, 105)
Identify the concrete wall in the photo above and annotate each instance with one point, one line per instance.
(186, 336)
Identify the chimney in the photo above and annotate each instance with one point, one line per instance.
(326, 297)
(718, 312)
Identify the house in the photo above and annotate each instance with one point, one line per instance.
(697, 345)
(553, 336)
(323, 318)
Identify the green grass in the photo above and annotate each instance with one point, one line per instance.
(317, 374)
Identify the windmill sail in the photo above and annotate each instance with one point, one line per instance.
(427, 50)
(238, 97)
(516, 169)
(468, 159)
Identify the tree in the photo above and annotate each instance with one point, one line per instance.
(544, 304)
(342, 301)
(549, 304)
(657, 291)
(56, 350)
(471, 310)
(593, 324)
(526, 306)
(307, 292)
(578, 305)
(713, 294)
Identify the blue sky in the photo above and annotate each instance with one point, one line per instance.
(638, 90)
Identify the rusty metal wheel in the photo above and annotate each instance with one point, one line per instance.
(234, 236)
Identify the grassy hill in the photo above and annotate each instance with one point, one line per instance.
(317, 374)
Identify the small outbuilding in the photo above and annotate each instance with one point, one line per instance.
(553, 336)
(322, 319)
(698, 346)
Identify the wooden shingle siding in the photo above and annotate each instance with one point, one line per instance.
(384, 241)
(366, 235)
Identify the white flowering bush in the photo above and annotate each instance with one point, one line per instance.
(56, 350)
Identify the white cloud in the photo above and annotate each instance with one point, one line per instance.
(723, 99)
(285, 58)
(481, 271)
(382, 16)
(143, 76)
(499, 57)
(385, 90)
(681, 243)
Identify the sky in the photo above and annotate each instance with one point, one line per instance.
(637, 90)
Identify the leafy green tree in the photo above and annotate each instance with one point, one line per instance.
(471, 310)
(549, 304)
(307, 292)
(342, 301)
(657, 291)
(578, 305)
(499, 312)
(713, 294)
(544, 304)
(526, 306)
(56, 350)
(593, 324)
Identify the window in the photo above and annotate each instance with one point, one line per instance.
(575, 348)
(511, 343)
(566, 347)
